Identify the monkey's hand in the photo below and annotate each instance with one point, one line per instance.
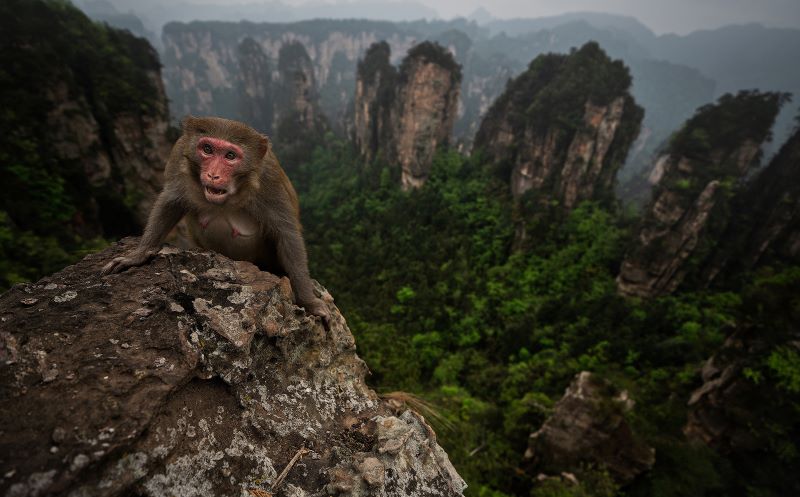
(318, 308)
(119, 264)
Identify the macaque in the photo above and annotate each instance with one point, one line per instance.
(223, 177)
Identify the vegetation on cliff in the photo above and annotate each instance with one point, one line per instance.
(561, 131)
(700, 173)
(52, 54)
(375, 62)
(555, 88)
(433, 53)
(717, 129)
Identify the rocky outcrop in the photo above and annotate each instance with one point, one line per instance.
(126, 155)
(743, 395)
(199, 67)
(695, 181)
(122, 154)
(86, 136)
(775, 200)
(563, 128)
(715, 415)
(374, 97)
(425, 109)
(194, 375)
(296, 109)
(256, 101)
(588, 426)
(407, 113)
(766, 219)
(288, 105)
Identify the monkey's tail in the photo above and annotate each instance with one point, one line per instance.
(399, 400)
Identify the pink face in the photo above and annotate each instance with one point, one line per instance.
(218, 160)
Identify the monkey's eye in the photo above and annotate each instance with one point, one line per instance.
(230, 155)
(208, 149)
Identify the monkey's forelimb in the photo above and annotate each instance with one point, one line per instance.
(164, 215)
(291, 252)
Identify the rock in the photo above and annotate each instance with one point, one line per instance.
(428, 89)
(588, 426)
(765, 224)
(296, 105)
(122, 152)
(373, 471)
(256, 103)
(409, 114)
(565, 146)
(224, 382)
(697, 178)
(729, 411)
(374, 97)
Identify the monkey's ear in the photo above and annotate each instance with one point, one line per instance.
(264, 145)
(193, 124)
(188, 123)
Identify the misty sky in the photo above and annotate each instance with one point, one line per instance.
(680, 16)
(662, 16)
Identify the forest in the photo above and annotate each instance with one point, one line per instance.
(490, 337)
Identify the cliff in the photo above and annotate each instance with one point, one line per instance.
(562, 129)
(86, 136)
(201, 75)
(280, 99)
(202, 64)
(696, 178)
(296, 101)
(766, 219)
(256, 102)
(425, 109)
(195, 375)
(202, 61)
(408, 113)
(374, 97)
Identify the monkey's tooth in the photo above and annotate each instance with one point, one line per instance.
(215, 191)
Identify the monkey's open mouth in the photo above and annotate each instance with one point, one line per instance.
(214, 191)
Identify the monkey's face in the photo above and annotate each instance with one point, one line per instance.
(218, 161)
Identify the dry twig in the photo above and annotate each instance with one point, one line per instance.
(279, 480)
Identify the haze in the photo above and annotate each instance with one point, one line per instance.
(674, 16)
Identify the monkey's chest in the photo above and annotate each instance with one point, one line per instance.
(231, 234)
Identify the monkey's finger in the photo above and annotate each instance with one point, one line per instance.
(108, 268)
(325, 316)
(116, 265)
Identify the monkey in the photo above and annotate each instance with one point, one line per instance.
(224, 178)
